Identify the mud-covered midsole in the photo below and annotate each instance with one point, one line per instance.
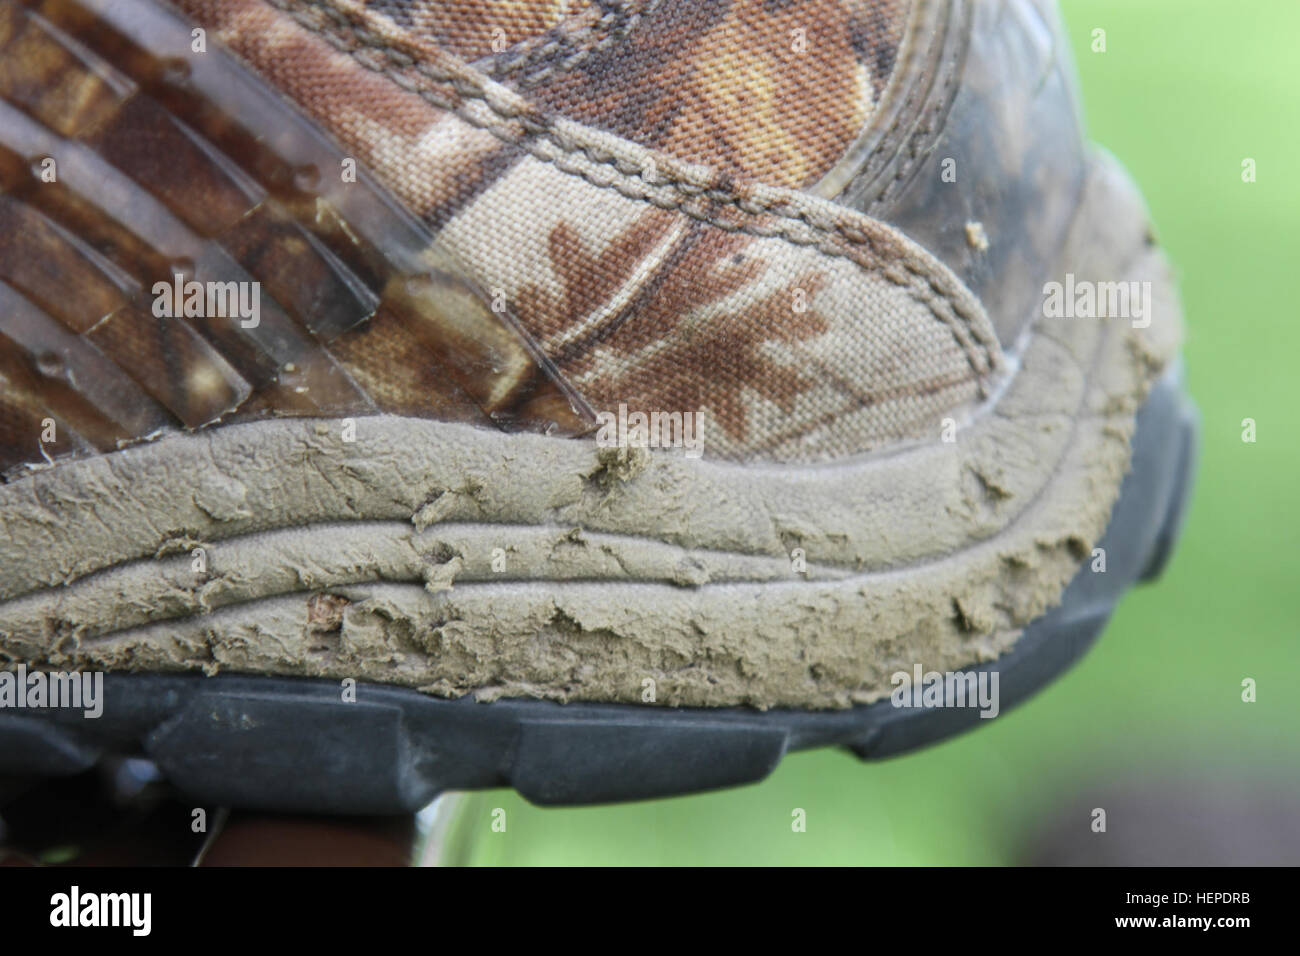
(461, 560)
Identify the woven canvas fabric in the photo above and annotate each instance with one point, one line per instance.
(475, 29)
(775, 90)
(636, 221)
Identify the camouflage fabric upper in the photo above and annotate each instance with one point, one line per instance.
(630, 183)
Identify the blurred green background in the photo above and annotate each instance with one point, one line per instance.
(1185, 91)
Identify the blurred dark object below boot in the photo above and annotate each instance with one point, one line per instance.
(1194, 820)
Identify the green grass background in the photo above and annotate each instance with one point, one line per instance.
(1185, 91)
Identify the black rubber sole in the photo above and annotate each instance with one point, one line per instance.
(293, 744)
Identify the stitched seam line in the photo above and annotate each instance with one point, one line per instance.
(917, 123)
(359, 41)
(922, 139)
(615, 22)
(917, 89)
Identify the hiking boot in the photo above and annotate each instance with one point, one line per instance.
(600, 398)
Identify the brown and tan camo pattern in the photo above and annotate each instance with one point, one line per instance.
(599, 207)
